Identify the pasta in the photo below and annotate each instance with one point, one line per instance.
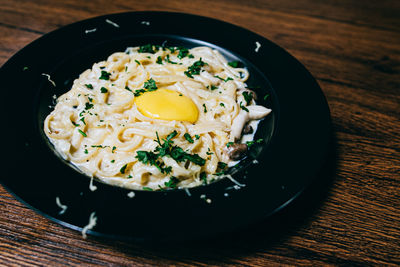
(111, 126)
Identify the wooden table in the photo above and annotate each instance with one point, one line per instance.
(351, 215)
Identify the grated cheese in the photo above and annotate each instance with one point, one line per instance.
(131, 194)
(233, 180)
(91, 186)
(188, 192)
(92, 223)
(91, 30)
(258, 45)
(112, 23)
(49, 79)
(63, 207)
(146, 23)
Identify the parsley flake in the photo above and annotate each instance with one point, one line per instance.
(243, 107)
(234, 64)
(104, 75)
(148, 48)
(188, 138)
(147, 188)
(82, 133)
(123, 169)
(172, 183)
(247, 96)
(195, 68)
(222, 79)
(148, 86)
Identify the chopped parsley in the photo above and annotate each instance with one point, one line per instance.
(222, 165)
(159, 60)
(137, 61)
(113, 149)
(195, 68)
(82, 120)
(86, 151)
(222, 104)
(103, 90)
(173, 181)
(229, 144)
(197, 136)
(166, 148)
(251, 143)
(25, 68)
(203, 177)
(222, 79)
(212, 87)
(148, 48)
(234, 64)
(247, 96)
(243, 107)
(112, 161)
(127, 88)
(205, 108)
(88, 105)
(183, 52)
(147, 188)
(148, 86)
(104, 75)
(89, 86)
(188, 138)
(82, 133)
(123, 169)
(151, 158)
(169, 61)
(99, 146)
(266, 96)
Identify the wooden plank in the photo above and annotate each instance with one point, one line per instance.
(351, 216)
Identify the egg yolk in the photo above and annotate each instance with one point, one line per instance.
(166, 104)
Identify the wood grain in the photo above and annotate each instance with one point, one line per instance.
(351, 216)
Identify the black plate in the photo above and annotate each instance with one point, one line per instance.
(296, 133)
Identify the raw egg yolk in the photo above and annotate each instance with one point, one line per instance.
(166, 104)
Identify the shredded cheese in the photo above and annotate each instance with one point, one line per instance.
(233, 180)
(91, 186)
(131, 194)
(49, 79)
(188, 192)
(258, 45)
(92, 223)
(112, 23)
(91, 30)
(146, 23)
(63, 207)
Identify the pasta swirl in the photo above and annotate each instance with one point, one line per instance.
(99, 127)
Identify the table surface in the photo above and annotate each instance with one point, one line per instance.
(350, 215)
